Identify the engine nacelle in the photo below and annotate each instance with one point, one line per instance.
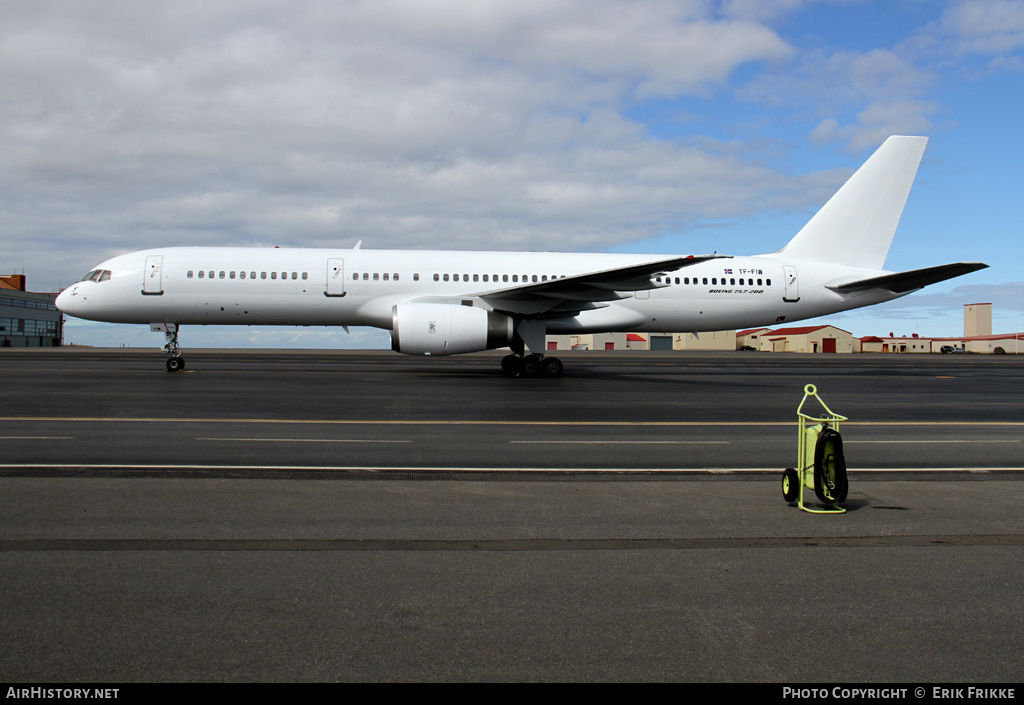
(447, 329)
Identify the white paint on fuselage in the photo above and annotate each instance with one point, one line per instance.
(369, 301)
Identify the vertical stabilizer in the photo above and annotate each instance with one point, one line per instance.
(857, 224)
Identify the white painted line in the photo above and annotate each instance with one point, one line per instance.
(302, 440)
(36, 438)
(649, 443)
(943, 441)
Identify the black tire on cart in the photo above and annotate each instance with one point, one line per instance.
(830, 481)
(790, 485)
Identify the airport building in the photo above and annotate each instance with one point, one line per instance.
(28, 319)
(713, 340)
(977, 338)
(808, 339)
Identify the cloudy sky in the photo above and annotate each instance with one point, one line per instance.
(656, 126)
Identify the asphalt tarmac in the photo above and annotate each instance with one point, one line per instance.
(364, 516)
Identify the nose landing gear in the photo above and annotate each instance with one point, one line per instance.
(175, 363)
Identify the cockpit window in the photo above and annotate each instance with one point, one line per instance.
(97, 275)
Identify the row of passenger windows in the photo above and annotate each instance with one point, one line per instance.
(487, 278)
(377, 276)
(495, 277)
(714, 281)
(212, 274)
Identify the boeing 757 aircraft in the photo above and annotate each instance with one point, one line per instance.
(448, 302)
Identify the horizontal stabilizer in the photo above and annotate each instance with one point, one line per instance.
(902, 282)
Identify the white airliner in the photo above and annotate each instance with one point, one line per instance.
(448, 302)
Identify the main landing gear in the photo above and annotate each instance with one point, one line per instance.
(175, 363)
(531, 366)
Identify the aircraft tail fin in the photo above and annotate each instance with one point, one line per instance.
(856, 226)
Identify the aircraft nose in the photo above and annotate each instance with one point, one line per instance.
(66, 300)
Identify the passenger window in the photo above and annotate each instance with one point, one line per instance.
(485, 278)
(416, 276)
(476, 277)
(201, 273)
(263, 275)
(273, 275)
(241, 275)
(732, 282)
(437, 277)
(231, 275)
(504, 277)
(222, 274)
(705, 280)
(768, 282)
(385, 276)
(305, 275)
(376, 276)
(515, 277)
(455, 277)
(252, 275)
(395, 277)
(446, 277)
(366, 276)
(189, 275)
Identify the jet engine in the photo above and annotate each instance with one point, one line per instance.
(447, 329)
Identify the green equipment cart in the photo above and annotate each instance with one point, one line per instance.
(820, 463)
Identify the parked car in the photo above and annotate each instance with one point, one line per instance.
(746, 347)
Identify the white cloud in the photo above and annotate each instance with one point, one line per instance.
(401, 123)
(985, 26)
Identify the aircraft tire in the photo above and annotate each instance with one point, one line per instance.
(510, 365)
(531, 366)
(552, 366)
(175, 364)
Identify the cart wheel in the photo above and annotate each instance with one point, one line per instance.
(790, 485)
(830, 481)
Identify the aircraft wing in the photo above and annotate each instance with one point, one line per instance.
(570, 295)
(902, 282)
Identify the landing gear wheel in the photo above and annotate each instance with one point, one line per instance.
(510, 365)
(175, 364)
(531, 365)
(552, 366)
(790, 485)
